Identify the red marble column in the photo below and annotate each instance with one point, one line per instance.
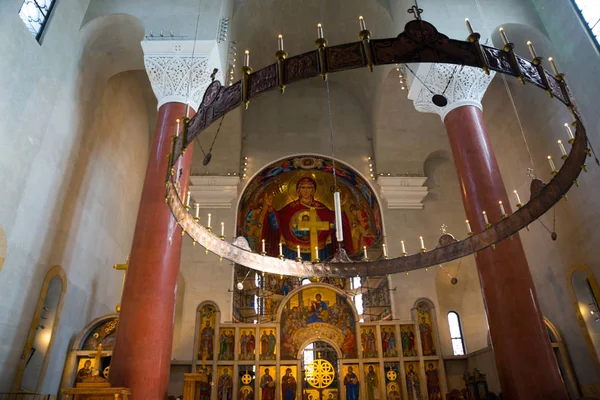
(142, 354)
(524, 358)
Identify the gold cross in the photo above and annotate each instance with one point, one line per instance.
(122, 267)
(97, 357)
(313, 225)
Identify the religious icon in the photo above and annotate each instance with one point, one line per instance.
(207, 333)
(267, 385)
(267, 344)
(246, 393)
(392, 383)
(433, 381)
(412, 380)
(407, 336)
(247, 344)
(226, 344)
(369, 341)
(372, 381)
(351, 383)
(424, 316)
(361, 233)
(289, 385)
(84, 371)
(317, 311)
(349, 344)
(225, 384)
(205, 382)
(388, 341)
(393, 392)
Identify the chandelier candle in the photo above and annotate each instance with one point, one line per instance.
(570, 133)
(197, 205)
(519, 204)
(365, 251)
(485, 218)
(361, 21)
(319, 31)
(562, 149)
(263, 247)
(223, 229)
(502, 212)
(177, 128)
(247, 58)
(403, 248)
(187, 201)
(552, 165)
(339, 232)
(316, 253)
(469, 231)
(385, 255)
(422, 243)
(469, 27)
(553, 64)
(298, 249)
(208, 225)
(503, 36)
(531, 49)
(280, 42)
(280, 250)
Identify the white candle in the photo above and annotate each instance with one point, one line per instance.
(298, 248)
(197, 210)
(187, 201)
(337, 205)
(177, 128)
(280, 249)
(531, 49)
(263, 246)
(361, 21)
(553, 64)
(384, 251)
(316, 252)
(503, 36)
(569, 131)
(502, 212)
(187, 109)
(208, 220)
(562, 148)
(247, 58)
(403, 248)
(518, 198)
(422, 242)
(222, 228)
(319, 31)
(468, 226)
(551, 164)
(469, 27)
(280, 42)
(365, 251)
(485, 218)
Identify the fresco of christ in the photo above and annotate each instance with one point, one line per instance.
(291, 226)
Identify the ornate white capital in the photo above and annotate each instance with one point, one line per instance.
(460, 85)
(214, 191)
(403, 192)
(179, 70)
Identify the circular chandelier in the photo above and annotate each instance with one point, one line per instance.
(419, 43)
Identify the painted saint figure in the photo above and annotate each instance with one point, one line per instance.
(318, 311)
(352, 384)
(85, 371)
(393, 394)
(267, 384)
(433, 383)
(271, 346)
(349, 344)
(426, 338)
(412, 383)
(206, 342)
(204, 384)
(288, 386)
(281, 226)
(372, 383)
(224, 386)
(264, 346)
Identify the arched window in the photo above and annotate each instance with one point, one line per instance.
(35, 15)
(456, 336)
(589, 11)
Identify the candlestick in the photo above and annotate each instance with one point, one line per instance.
(468, 227)
(247, 58)
(403, 248)
(187, 201)
(469, 27)
(519, 204)
(361, 21)
(554, 171)
(208, 221)
(263, 246)
(502, 212)
(280, 42)
(197, 205)
(223, 229)
(177, 128)
(365, 251)
(570, 133)
(319, 31)
(553, 64)
(531, 49)
(485, 218)
(503, 36)
(562, 149)
(422, 243)
(385, 254)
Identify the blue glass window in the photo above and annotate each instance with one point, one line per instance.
(35, 14)
(589, 11)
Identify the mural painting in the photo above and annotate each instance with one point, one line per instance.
(267, 380)
(407, 336)
(351, 381)
(290, 206)
(388, 341)
(317, 311)
(369, 341)
(207, 332)
(267, 344)
(372, 381)
(225, 383)
(432, 374)
(247, 344)
(425, 328)
(246, 382)
(413, 384)
(226, 344)
(103, 334)
(205, 383)
(289, 382)
(393, 387)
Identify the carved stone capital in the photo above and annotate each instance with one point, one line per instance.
(214, 191)
(460, 85)
(403, 192)
(179, 70)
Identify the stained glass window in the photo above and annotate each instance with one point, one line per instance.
(458, 346)
(35, 14)
(589, 10)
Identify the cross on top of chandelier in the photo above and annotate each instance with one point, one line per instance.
(415, 10)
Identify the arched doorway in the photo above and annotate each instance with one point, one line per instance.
(320, 371)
